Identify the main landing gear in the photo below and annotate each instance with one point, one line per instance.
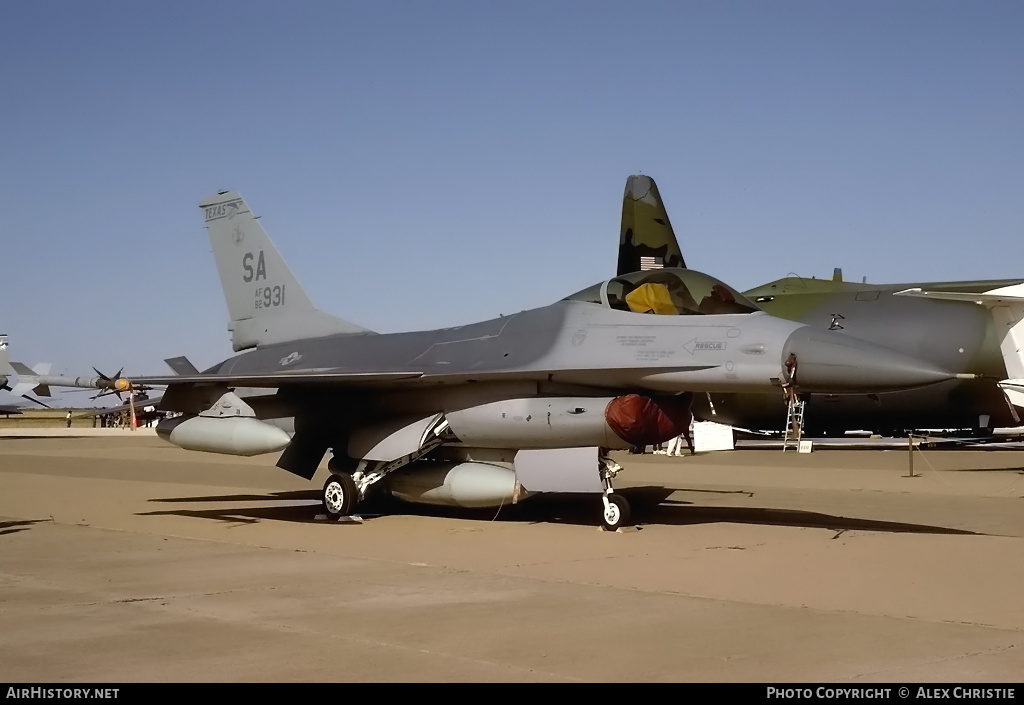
(343, 491)
(340, 495)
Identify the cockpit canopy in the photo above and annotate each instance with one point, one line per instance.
(667, 291)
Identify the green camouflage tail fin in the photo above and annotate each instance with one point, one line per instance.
(646, 238)
(265, 301)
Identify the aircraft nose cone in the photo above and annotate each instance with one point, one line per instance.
(829, 361)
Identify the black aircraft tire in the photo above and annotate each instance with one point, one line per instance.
(339, 495)
(616, 515)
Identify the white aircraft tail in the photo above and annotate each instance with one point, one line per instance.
(1007, 307)
(266, 303)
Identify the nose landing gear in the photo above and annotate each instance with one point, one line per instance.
(615, 514)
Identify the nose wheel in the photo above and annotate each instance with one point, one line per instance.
(340, 495)
(616, 512)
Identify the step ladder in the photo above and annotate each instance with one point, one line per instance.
(794, 424)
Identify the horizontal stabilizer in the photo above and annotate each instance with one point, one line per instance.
(181, 366)
(22, 388)
(28, 380)
(41, 368)
(22, 369)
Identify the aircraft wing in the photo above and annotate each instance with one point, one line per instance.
(273, 379)
(983, 299)
(277, 379)
(596, 377)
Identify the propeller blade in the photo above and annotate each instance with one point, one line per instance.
(110, 380)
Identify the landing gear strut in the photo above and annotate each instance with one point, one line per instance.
(351, 481)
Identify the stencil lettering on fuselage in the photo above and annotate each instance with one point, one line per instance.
(694, 345)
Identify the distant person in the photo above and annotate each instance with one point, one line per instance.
(675, 446)
(69, 419)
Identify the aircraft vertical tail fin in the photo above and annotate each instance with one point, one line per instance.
(266, 303)
(646, 238)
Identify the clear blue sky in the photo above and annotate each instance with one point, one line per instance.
(432, 163)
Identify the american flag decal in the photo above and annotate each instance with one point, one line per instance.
(651, 263)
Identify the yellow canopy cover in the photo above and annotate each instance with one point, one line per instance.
(651, 298)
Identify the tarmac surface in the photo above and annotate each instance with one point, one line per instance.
(124, 559)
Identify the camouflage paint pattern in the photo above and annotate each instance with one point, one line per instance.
(646, 231)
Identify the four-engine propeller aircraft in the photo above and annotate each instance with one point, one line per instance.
(483, 414)
(953, 334)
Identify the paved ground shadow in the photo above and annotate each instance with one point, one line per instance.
(650, 505)
(13, 527)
